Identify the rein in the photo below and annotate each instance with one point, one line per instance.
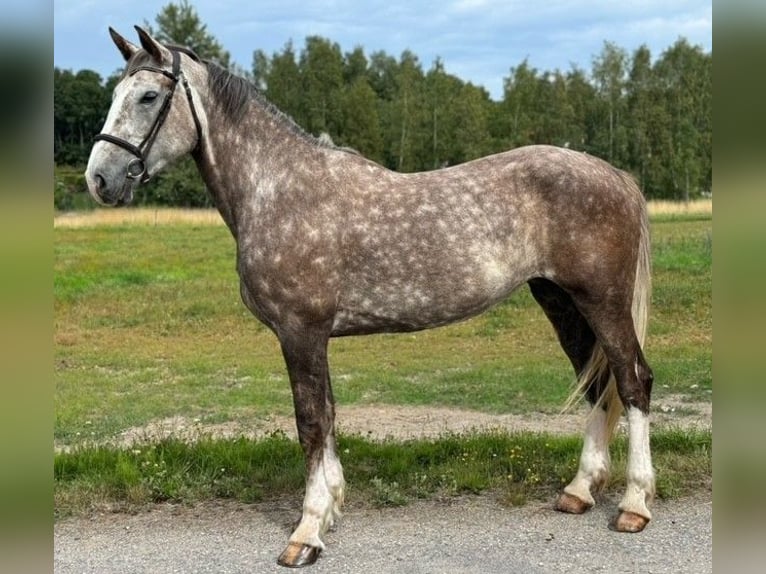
(136, 168)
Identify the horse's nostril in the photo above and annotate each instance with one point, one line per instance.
(100, 182)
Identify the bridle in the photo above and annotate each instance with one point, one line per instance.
(136, 168)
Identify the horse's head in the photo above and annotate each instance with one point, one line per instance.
(150, 124)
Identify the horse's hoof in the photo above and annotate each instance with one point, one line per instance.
(571, 504)
(298, 555)
(629, 522)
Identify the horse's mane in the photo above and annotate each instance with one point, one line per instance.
(233, 93)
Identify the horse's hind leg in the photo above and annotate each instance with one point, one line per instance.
(611, 320)
(578, 341)
(634, 387)
(305, 352)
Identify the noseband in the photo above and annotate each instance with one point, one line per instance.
(136, 168)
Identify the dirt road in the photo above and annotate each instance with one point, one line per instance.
(469, 535)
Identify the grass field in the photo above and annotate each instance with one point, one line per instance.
(148, 324)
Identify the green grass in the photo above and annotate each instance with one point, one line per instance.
(516, 467)
(680, 343)
(148, 324)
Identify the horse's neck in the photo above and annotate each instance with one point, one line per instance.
(236, 159)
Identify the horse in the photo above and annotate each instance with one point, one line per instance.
(331, 244)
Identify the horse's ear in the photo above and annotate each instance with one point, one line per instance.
(157, 51)
(126, 48)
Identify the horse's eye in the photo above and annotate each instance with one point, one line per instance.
(148, 97)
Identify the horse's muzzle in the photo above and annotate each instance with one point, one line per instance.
(115, 195)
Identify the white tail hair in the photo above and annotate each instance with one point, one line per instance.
(598, 365)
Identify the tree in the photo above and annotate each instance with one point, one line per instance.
(361, 122)
(684, 78)
(381, 73)
(569, 97)
(354, 66)
(261, 69)
(440, 92)
(179, 186)
(519, 107)
(609, 77)
(80, 105)
(180, 24)
(643, 117)
(471, 116)
(405, 116)
(580, 97)
(283, 83)
(321, 74)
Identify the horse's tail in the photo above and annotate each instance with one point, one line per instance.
(598, 367)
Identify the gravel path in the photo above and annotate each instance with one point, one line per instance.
(468, 535)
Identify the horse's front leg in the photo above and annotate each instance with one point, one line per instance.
(305, 352)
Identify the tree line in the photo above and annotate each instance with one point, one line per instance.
(652, 118)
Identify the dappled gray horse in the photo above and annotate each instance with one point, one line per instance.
(331, 244)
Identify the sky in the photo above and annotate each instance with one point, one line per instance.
(478, 40)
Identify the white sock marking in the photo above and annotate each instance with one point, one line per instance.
(324, 496)
(594, 459)
(640, 474)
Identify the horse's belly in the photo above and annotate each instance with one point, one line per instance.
(402, 303)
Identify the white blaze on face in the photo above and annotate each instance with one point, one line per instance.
(100, 155)
(125, 122)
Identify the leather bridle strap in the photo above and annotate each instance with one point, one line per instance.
(136, 168)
